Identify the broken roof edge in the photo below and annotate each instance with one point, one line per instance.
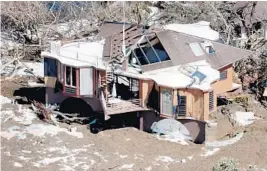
(200, 38)
(249, 52)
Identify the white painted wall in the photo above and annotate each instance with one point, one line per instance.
(86, 81)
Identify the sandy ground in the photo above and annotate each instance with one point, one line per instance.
(30, 144)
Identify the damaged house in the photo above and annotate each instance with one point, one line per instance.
(161, 74)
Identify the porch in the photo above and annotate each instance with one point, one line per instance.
(118, 106)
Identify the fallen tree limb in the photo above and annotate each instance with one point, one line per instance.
(51, 116)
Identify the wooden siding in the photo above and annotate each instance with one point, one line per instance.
(147, 86)
(222, 86)
(194, 102)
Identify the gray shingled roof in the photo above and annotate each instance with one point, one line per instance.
(177, 46)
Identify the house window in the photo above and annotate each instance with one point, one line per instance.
(70, 76)
(223, 75)
(166, 102)
(60, 75)
(150, 54)
(181, 105)
(50, 67)
(211, 100)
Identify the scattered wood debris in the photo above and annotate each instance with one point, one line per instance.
(53, 117)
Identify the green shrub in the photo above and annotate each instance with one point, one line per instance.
(226, 164)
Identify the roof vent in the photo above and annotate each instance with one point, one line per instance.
(208, 47)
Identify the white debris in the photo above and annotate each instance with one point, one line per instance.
(173, 138)
(26, 151)
(126, 166)
(16, 164)
(190, 157)
(148, 168)
(4, 100)
(201, 29)
(35, 84)
(225, 142)
(212, 123)
(210, 152)
(27, 116)
(41, 130)
(165, 159)
(31, 68)
(6, 115)
(123, 156)
(13, 131)
(243, 118)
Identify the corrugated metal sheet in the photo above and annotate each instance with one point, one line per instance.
(86, 81)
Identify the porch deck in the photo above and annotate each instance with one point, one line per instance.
(118, 106)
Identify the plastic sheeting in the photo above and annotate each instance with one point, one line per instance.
(171, 127)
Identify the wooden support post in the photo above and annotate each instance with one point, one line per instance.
(46, 97)
(141, 121)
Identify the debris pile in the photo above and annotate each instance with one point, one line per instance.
(51, 116)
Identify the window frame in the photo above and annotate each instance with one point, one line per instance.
(71, 78)
(182, 98)
(162, 108)
(60, 72)
(223, 75)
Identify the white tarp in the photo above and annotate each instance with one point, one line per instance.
(201, 29)
(172, 128)
(243, 118)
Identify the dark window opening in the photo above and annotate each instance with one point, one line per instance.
(74, 77)
(211, 100)
(223, 75)
(50, 67)
(70, 76)
(210, 50)
(153, 100)
(181, 105)
(150, 54)
(127, 88)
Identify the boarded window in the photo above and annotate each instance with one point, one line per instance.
(166, 102)
(211, 100)
(223, 75)
(181, 105)
(50, 67)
